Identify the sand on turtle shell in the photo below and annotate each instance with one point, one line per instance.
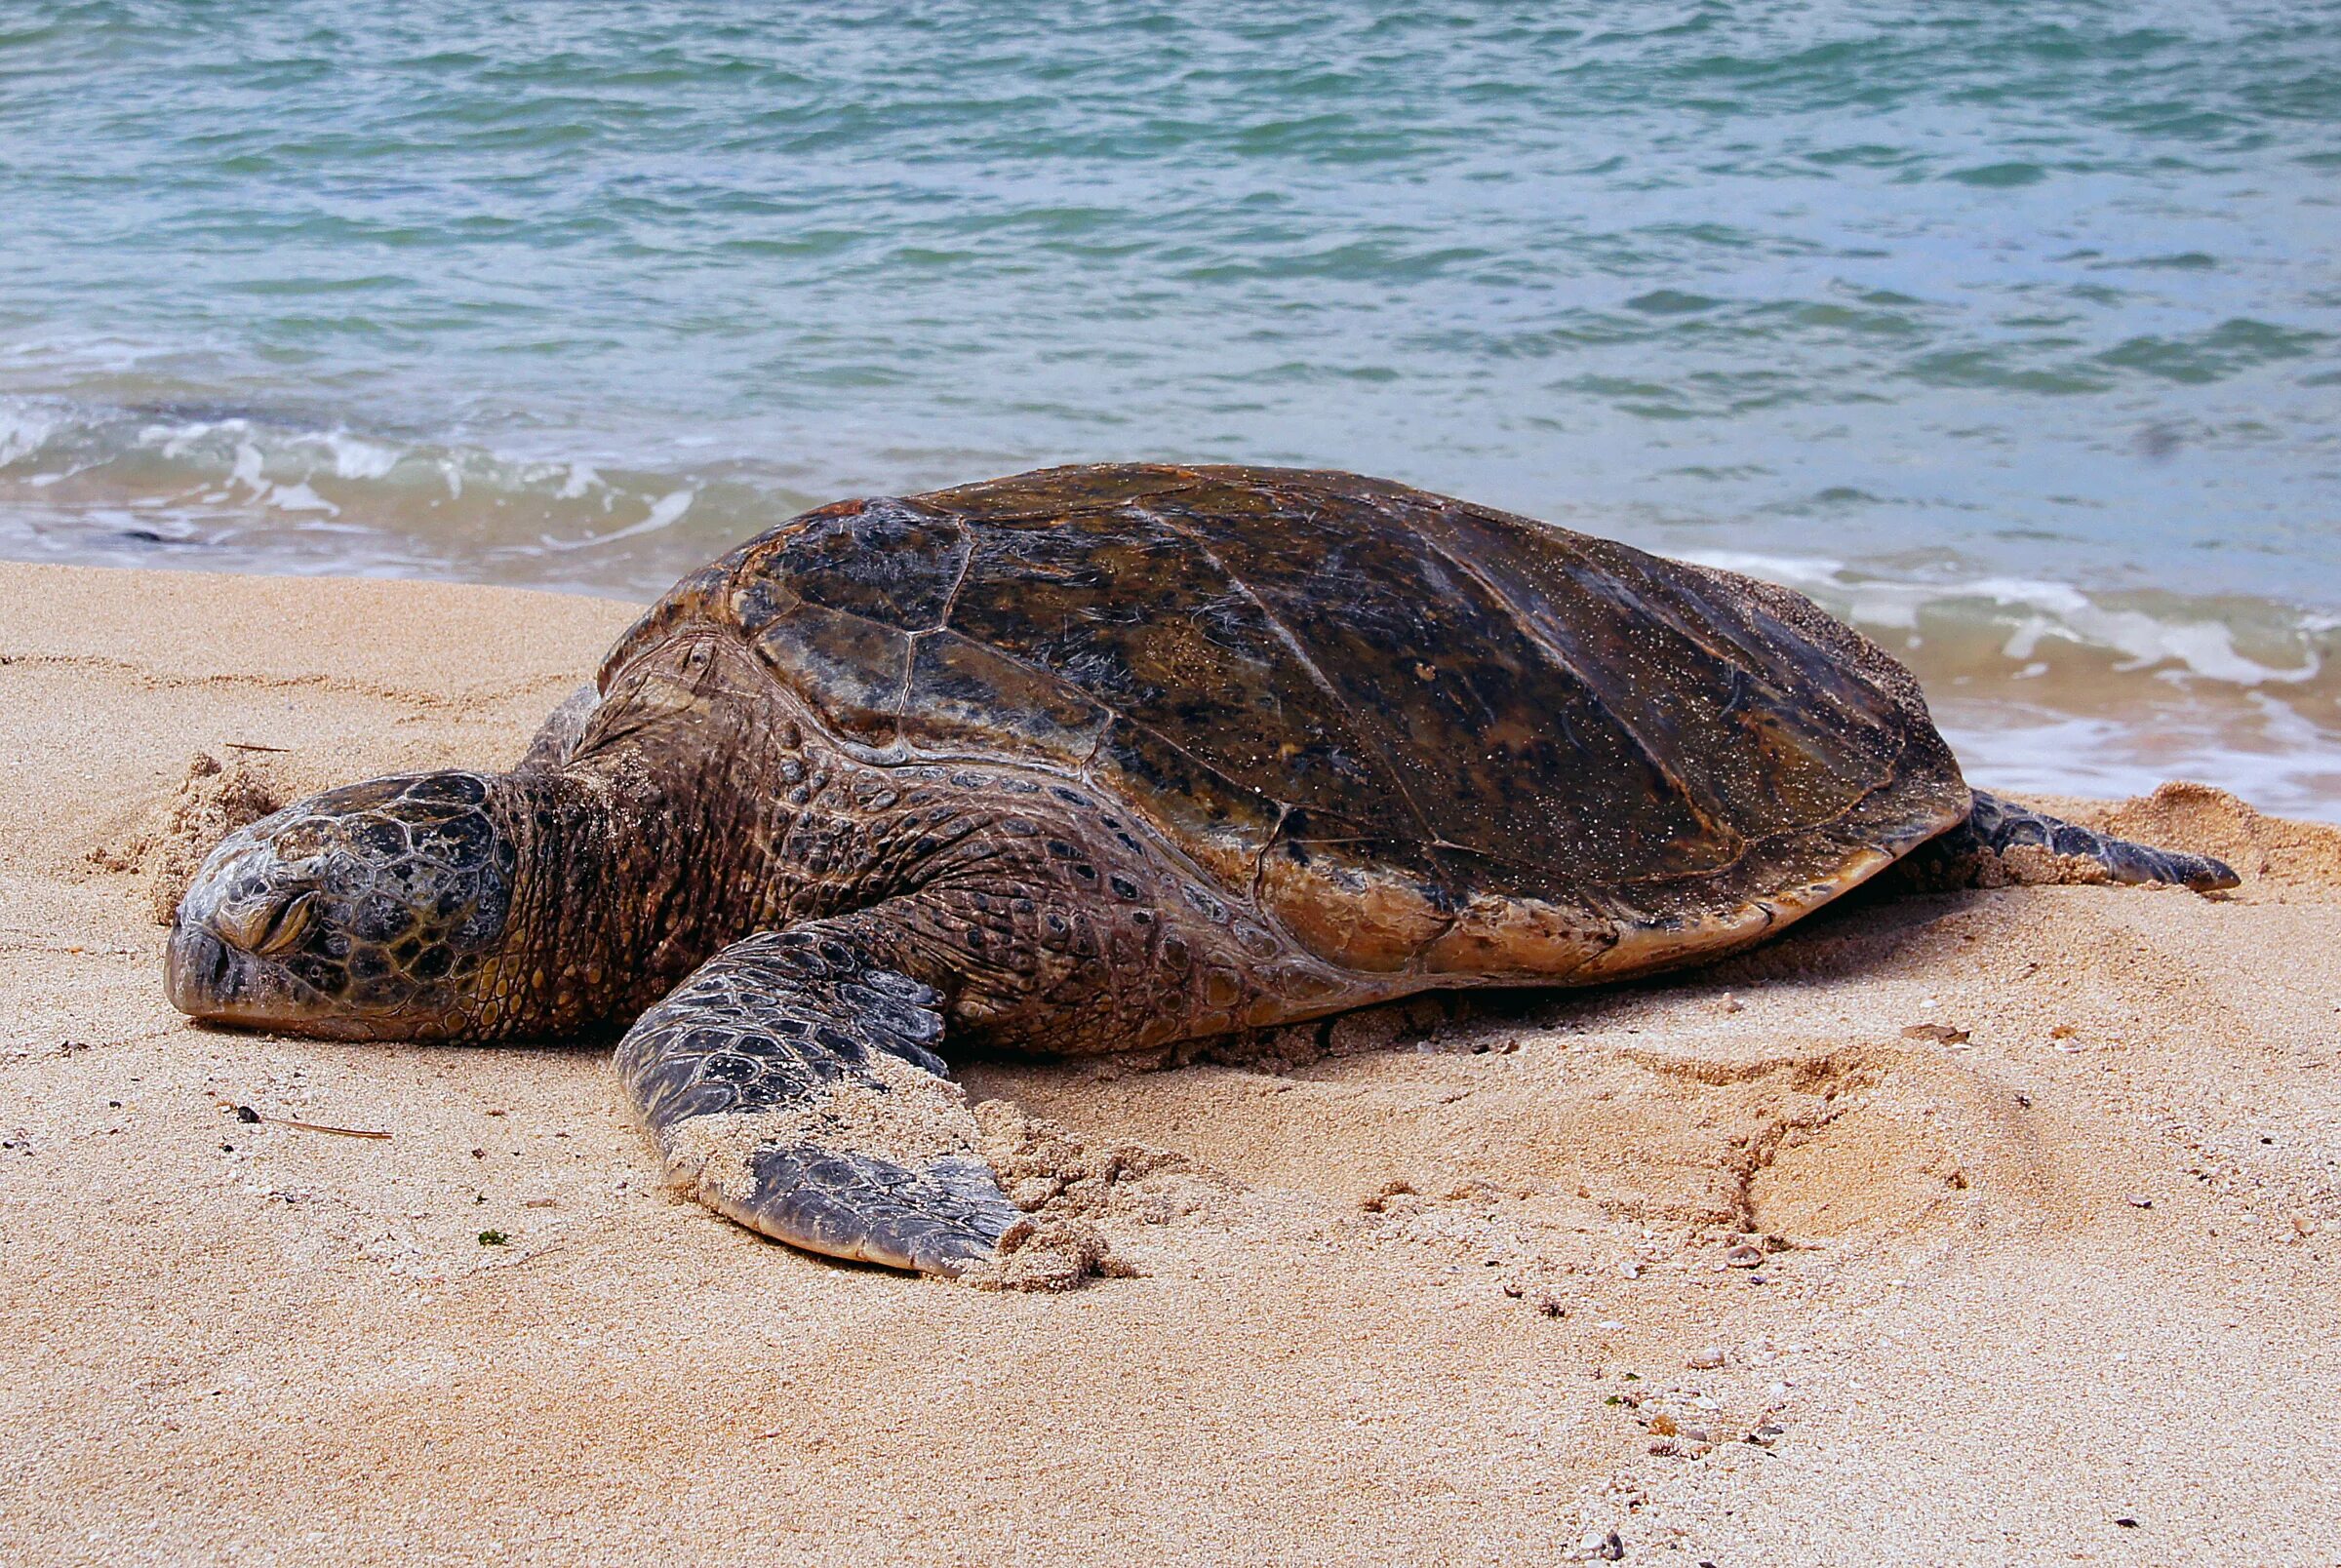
(1447, 1278)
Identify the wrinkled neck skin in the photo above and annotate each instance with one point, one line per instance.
(654, 846)
(569, 945)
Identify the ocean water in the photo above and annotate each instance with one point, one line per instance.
(2012, 332)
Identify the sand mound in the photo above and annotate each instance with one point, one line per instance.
(211, 801)
(1049, 1254)
(1048, 1171)
(1066, 1188)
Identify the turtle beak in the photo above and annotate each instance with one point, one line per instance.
(209, 979)
(215, 966)
(216, 982)
(199, 973)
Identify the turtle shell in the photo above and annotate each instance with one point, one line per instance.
(1428, 734)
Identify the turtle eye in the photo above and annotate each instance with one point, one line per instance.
(287, 926)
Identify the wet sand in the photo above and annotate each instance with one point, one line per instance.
(2056, 1279)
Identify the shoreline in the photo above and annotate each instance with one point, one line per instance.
(1433, 1289)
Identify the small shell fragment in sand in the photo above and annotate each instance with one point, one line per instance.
(1941, 1033)
(1706, 1359)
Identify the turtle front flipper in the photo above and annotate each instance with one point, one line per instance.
(792, 1084)
(1996, 827)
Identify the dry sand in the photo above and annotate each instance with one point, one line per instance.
(1431, 1288)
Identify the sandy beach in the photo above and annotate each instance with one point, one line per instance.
(1983, 1227)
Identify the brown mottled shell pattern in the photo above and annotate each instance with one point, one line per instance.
(1422, 732)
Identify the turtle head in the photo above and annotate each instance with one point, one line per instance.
(373, 912)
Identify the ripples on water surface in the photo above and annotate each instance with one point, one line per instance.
(2013, 331)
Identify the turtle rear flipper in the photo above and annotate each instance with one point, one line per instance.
(1989, 850)
(791, 1085)
(556, 739)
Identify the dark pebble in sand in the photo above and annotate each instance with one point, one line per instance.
(1611, 1549)
(245, 1113)
(2127, 1522)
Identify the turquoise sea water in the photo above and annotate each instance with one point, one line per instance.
(2011, 331)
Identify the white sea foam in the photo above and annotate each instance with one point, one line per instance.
(26, 428)
(357, 458)
(664, 513)
(301, 498)
(2287, 767)
(2032, 612)
(248, 467)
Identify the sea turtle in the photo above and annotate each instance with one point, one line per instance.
(1086, 760)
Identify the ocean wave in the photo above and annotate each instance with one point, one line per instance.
(244, 489)
(2031, 623)
(2264, 751)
